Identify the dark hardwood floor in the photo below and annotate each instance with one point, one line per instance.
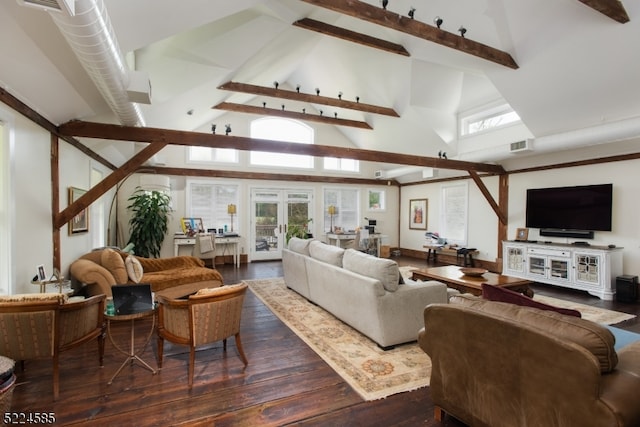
(285, 382)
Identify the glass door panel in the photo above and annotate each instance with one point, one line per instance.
(267, 224)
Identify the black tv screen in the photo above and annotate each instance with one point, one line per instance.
(587, 207)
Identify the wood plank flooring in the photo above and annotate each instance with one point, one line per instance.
(285, 382)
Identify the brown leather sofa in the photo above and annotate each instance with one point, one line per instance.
(502, 365)
(172, 277)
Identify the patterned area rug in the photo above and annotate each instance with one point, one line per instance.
(595, 314)
(372, 372)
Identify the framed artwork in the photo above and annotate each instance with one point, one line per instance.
(418, 214)
(192, 226)
(522, 234)
(376, 200)
(42, 274)
(79, 223)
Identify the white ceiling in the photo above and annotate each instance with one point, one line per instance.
(577, 68)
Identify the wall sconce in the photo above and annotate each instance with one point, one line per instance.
(331, 210)
(231, 210)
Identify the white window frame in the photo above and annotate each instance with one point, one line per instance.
(339, 197)
(382, 197)
(341, 165)
(215, 216)
(487, 119)
(282, 160)
(216, 155)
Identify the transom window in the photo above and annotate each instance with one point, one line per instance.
(487, 119)
(278, 129)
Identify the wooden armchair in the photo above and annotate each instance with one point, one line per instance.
(42, 329)
(209, 316)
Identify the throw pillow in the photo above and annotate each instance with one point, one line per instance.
(496, 293)
(113, 262)
(134, 269)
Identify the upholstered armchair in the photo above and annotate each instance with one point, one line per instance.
(41, 326)
(210, 315)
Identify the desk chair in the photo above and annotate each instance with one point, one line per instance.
(205, 249)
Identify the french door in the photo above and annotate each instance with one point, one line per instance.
(273, 210)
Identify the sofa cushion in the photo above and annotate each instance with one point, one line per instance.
(592, 336)
(326, 253)
(496, 293)
(299, 245)
(113, 262)
(134, 268)
(382, 269)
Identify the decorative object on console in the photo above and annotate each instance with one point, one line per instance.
(331, 210)
(191, 226)
(231, 210)
(472, 271)
(522, 234)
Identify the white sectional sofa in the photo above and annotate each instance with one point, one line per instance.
(361, 290)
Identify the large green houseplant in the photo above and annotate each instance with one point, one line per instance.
(150, 212)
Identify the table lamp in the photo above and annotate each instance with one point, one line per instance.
(231, 210)
(332, 211)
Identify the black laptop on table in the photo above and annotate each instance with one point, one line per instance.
(132, 299)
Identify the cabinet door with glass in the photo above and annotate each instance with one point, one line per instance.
(514, 260)
(588, 269)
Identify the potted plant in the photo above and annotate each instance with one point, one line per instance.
(150, 215)
(299, 230)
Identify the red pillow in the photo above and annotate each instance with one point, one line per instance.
(496, 293)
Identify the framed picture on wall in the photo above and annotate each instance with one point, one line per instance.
(522, 234)
(418, 214)
(79, 223)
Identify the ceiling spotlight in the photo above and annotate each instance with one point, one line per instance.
(227, 129)
(412, 11)
(190, 112)
(444, 155)
(317, 91)
(462, 30)
(276, 84)
(298, 88)
(357, 99)
(335, 115)
(384, 4)
(438, 21)
(321, 112)
(304, 111)
(264, 105)
(282, 107)
(213, 128)
(339, 95)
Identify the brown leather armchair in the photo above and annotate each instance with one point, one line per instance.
(501, 365)
(209, 316)
(34, 328)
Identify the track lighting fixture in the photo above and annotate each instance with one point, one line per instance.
(412, 12)
(276, 84)
(462, 30)
(227, 129)
(213, 128)
(438, 21)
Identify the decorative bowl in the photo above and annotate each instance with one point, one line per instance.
(473, 272)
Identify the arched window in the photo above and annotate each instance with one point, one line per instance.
(285, 130)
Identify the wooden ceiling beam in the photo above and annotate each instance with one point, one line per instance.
(614, 9)
(306, 97)
(388, 19)
(186, 138)
(352, 36)
(328, 120)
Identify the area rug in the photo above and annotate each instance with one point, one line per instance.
(595, 314)
(370, 371)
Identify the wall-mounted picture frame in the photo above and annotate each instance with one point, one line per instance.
(79, 223)
(522, 234)
(192, 226)
(418, 214)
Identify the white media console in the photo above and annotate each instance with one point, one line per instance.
(589, 268)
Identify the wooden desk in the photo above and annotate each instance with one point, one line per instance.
(336, 239)
(453, 277)
(220, 240)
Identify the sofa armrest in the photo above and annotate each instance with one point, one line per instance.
(89, 272)
(160, 264)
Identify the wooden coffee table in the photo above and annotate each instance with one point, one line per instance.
(453, 277)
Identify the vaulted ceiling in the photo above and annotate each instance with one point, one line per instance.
(578, 70)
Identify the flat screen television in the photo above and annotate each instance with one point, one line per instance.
(585, 208)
